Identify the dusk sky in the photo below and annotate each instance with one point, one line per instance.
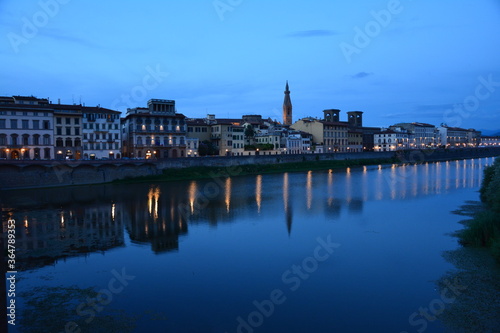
(398, 61)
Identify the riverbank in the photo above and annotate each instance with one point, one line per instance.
(39, 174)
(483, 230)
(477, 308)
(194, 173)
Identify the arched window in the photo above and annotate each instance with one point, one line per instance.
(46, 139)
(26, 139)
(59, 142)
(13, 139)
(78, 142)
(68, 142)
(36, 140)
(139, 141)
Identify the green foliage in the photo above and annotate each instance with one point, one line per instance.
(490, 189)
(207, 148)
(249, 131)
(484, 229)
(260, 146)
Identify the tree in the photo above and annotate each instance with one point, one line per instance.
(249, 131)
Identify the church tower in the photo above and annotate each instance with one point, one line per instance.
(287, 107)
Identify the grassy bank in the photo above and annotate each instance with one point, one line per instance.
(194, 173)
(484, 229)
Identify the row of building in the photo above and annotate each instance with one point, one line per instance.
(36, 128)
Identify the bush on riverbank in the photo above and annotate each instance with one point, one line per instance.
(484, 229)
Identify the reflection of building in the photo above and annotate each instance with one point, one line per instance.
(44, 236)
(26, 128)
(156, 220)
(154, 132)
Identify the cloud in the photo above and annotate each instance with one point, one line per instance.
(361, 75)
(312, 33)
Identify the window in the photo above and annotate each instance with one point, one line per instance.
(13, 139)
(68, 130)
(58, 120)
(69, 142)
(46, 139)
(13, 113)
(46, 124)
(116, 136)
(84, 126)
(59, 131)
(13, 123)
(77, 131)
(36, 124)
(25, 113)
(85, 136)
(3, 139)
(2, 123)
(77, 121)
(91, 126)
(26, 138)
(68, 121)
(59, 142)
(25, 124)
(46, 153)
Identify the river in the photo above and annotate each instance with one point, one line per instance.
(356, 250)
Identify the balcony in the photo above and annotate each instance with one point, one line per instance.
(159, 146)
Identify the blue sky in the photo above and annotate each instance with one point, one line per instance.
(398, 61)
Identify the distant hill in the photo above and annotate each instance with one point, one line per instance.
(490, 132)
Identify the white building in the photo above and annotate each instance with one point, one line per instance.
(101, 133)
(385, 141)
(293, 144)
(421, 135)
(192, 145)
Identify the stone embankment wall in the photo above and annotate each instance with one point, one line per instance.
(29, 174)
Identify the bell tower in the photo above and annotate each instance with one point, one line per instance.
(287, 107)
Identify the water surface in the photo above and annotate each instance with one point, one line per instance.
(213, 255)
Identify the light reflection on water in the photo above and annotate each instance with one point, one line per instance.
(170, 218)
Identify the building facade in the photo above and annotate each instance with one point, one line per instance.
(154, 132)
(101, 133)
(26, 128)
